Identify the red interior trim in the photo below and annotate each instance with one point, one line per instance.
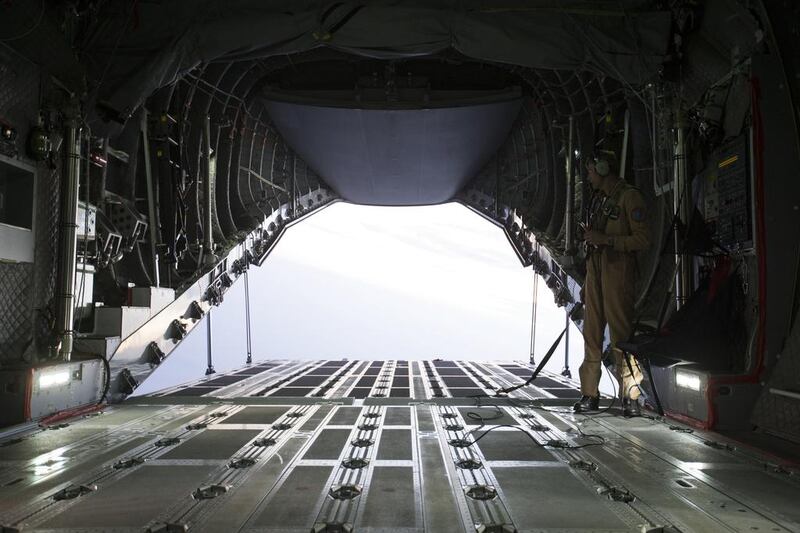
(688, 420)
(70, 413)
(26, 408)
(754, 375)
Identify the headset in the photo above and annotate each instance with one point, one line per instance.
(602, 161)
(601, 165)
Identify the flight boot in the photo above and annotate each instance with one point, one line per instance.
(630, 408)
(587, 404)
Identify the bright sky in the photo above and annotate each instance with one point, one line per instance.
(381, 282)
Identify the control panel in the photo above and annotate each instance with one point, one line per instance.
(726, 200)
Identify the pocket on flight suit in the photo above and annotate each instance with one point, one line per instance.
(619, 267)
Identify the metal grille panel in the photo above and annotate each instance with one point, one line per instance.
(15, 311)
(778, 413)
(26, 291)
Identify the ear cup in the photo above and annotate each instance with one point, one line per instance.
(601, 167)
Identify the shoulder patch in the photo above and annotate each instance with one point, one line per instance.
(638, 214)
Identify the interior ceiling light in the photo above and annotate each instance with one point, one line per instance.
(7, 132)
(51, 379)
(687, 380)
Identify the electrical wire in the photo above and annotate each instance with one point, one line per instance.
(476, 439)
(550, 444)
(534, 310)
(500, 414)
(614, 400)
(107, 385)
(472, 415)
(627, 358)
(478, 417)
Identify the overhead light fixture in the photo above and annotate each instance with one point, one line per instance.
(51, 379)
(7, 132)
(687, 380)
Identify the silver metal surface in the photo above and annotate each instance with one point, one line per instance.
(247, 314)
(83, 386)
(263, 179)
(680, 206)
(786, 393)
(69, 241)
(386, 463)
(208, 187)
(623, 160)
(152, 207)
(209, 343)
(569, 232)
(534, 309)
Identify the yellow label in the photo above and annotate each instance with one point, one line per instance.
(725, 162)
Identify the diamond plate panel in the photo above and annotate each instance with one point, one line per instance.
(15, 311)
(19, 94)
(19, 106)
(773, 412)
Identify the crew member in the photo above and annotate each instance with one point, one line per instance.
(615, 231)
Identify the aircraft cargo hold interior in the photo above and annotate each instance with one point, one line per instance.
(639, 158)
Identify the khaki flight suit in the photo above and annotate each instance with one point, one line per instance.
(609, 288)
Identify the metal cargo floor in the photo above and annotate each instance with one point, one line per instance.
(385, 446)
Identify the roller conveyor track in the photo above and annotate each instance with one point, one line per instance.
(384, 446)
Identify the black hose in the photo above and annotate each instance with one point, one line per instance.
(539, 368)
(107, 385)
